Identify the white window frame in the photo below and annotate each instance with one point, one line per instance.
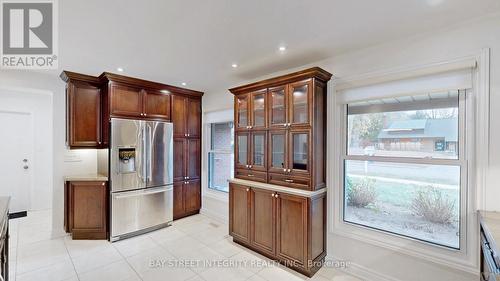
(219, 151)
(219, 116)
(477, 149)
(461, 162)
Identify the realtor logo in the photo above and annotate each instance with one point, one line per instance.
(29, 33)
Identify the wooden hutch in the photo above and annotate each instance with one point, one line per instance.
(277, 200)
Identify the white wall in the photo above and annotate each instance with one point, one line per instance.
(43, 82)
(462, 40)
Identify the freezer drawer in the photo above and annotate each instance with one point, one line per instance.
(139, 211)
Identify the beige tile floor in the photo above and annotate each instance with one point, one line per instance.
(34, 255)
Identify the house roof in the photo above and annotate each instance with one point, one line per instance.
(422, 128)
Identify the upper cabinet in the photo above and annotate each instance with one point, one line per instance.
(91, 102)
(281, 129)
(129, 101)
(251, 111)
(83, 98)
(186, 116)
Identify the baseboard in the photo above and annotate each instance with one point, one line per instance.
(362, 272)
(18, 215)
(214, 215)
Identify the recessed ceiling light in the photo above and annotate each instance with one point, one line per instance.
(119, 69)
(234, 65)
(183, 83)
(282, 48)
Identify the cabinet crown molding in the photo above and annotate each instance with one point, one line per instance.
(314, 72)
(106, 77)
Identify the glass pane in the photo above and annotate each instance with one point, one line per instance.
(300, 104)
(300, 151)
(259, 110)
(278, 151)
(222, 136)
(278, 107)
(258, 150)
(410, 130)
(414, 200)
(220, 170)
(242, 150)
(242, 111)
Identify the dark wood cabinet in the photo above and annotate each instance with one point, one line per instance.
(86, 209)
(156, 105)
(178, 195)
(83, 98)
(263, 220)
(136, 102)
(126, 101)
(239, 212)
(290, 111)
(291, 228)
(93, 101)
(280, 140)
(179, 116)
(187, 198)
(285, 227)
(192, 196)
(186, 117)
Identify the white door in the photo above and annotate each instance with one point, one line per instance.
(16, 158)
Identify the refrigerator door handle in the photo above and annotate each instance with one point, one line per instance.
(149, 152)
(144, 152)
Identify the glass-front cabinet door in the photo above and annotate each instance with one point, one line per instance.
(241, 157)
(278, 109)
(300, 96)
(242, 107)
(258, 151)
(299, 157)
(278, 160)
(258, 113)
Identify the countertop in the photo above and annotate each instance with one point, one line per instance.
(278, 188)
(86, 177)
(490, 222)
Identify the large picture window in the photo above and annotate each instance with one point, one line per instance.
(220, 156)
(404, 166)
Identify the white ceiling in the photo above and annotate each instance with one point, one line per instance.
(196, 42)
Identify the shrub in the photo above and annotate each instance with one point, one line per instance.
(430, 203)
(361, 193)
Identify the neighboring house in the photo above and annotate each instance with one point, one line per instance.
(420, 135)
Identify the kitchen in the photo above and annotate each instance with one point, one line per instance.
(224, 141)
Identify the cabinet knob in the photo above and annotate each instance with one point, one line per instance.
(289, 170)
(145, 114)
(250, 166)
(189, 135)
(284, 170)
(103, 184)
(246, 166)
(248, 189)
(276, 195)
(272, 194)
(249, 175)
(284, 125)
(288, 180)
(187, 178)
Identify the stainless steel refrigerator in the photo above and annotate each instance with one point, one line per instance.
(141, 174)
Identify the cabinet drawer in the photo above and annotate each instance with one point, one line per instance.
(290, 181)
(251, 175)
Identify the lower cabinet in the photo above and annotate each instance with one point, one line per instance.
(288, 228)
(187, 198)
(86, 209)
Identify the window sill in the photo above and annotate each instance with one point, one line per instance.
(457, 259)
